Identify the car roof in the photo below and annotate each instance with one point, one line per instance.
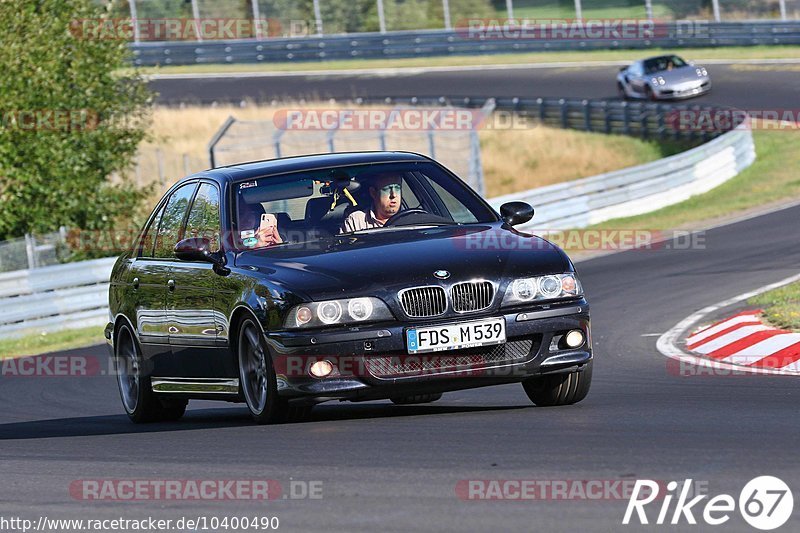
(254, 169)
(660, 57)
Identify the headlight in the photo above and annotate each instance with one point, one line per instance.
(661, 81)
(701, 72)
(542, 288)
(329, 312)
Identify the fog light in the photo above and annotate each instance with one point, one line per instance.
(321, 369)
(574, 338)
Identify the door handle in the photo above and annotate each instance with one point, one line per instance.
(171, 285)
(135, 283)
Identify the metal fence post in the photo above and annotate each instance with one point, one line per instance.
(606, 118)
(648, 9)
(212, 144)
(563, 104)
(510, 8)
(318, 17)
(587, 115)
(381, 17)
(578, 10)
(196, 15)
(30, 250)
(626, 127)
(715, 7)
(135, 22)
(256, 18)
(446, 9)
(782, 5)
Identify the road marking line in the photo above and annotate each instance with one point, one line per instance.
(716, 331)
(667, 344)
(772, 345)
(788, 357)
(728, 338)
(744, 344)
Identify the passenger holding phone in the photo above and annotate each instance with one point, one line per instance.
(267, 233)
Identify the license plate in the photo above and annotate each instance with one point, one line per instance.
(456, 336)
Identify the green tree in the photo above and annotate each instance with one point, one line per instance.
(70, 120)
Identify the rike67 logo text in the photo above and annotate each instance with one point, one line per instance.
(765, 503)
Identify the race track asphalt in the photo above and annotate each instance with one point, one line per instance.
(395, 468)
(749, 87)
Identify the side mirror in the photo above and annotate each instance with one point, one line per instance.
(515, 213)
(623, 69)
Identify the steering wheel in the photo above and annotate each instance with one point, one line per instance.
(400, 215)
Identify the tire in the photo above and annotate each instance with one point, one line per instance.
(621, 91)
(417, 398)
(649, 94)
(141, 404)
(559, 389)
(257, 381)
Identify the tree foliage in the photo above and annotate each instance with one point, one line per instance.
(71, 123)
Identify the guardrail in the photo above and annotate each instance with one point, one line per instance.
(428, 43)
(640, 189)
(649, 120)
(72, 295)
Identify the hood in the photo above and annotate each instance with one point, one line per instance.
(389, 260)
(679, 75)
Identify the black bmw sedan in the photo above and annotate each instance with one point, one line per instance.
(350, 276)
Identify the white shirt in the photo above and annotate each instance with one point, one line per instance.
(358, 220)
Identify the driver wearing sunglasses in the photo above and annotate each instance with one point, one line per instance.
(386, 193)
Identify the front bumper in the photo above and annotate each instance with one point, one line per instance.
(373, 363)
(667, 93)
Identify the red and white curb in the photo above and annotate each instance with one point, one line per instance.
(744, 339)
(741, 343)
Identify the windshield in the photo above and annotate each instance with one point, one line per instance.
(323, 203)
(659, 64)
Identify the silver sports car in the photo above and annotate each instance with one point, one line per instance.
(662, 78)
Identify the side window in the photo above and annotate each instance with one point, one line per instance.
(458, 210)
(146, 244)
(203, 218)
(171, 220)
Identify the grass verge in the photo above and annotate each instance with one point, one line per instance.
(722, 53)
(51, 342)
(513, 159)
(781, 306)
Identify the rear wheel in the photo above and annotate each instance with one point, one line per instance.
(140, 402)
(417, 398)
(559, 389)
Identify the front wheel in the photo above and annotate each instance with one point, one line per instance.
(621, 91)
(559, 389)
(257, 376)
